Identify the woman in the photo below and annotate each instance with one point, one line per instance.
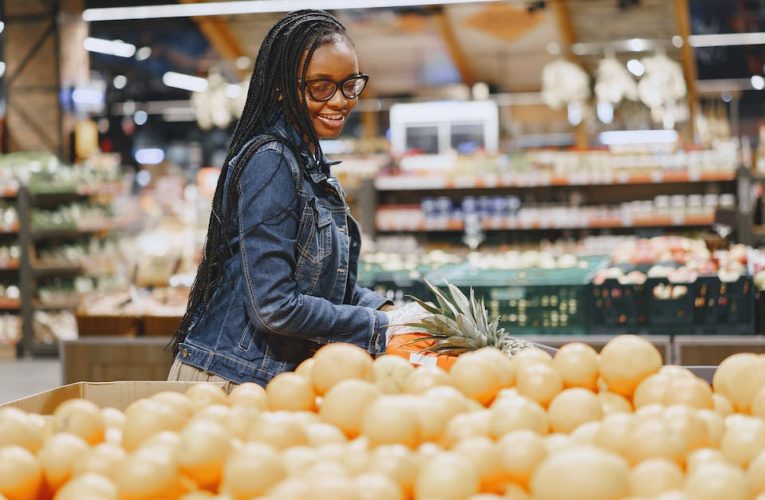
(277, 278)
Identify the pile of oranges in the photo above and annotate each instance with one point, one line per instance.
(582, 425)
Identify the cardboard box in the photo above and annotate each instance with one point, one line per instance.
(108, 359)
(105, 394)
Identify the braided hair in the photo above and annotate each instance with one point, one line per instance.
(274, 89)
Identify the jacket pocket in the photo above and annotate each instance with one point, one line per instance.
(314, 239)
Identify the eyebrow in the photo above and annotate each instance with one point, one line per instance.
(322, 76)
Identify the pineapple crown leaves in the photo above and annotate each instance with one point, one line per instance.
(459, 324)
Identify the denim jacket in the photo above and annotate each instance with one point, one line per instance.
(289, 283)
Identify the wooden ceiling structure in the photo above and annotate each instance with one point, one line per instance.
(420, 51)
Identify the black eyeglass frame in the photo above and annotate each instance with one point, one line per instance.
(338, 85)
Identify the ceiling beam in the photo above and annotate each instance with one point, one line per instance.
(453, 47)
(683, 20)
(220, 36)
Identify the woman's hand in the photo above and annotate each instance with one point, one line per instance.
(387, 307)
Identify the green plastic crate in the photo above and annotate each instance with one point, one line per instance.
(531, 301)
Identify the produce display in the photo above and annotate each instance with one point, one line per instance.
(579, 425)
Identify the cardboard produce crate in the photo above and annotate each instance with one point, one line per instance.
(111, 325)
(107, 359)
(105, 394)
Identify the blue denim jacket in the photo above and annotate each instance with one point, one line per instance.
(289, 284)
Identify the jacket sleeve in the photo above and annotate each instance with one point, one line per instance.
(268, 232)
(367, 298)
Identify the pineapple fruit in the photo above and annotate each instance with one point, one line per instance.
(458, 324)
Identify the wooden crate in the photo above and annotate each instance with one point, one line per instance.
(107, 325)
(712, 350)
(160, 326)
(107, 359)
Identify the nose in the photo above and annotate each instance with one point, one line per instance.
(338, 101)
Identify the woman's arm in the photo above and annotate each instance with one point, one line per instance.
(367, 298)
(268, 231)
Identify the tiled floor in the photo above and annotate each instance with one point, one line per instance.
(24, 377)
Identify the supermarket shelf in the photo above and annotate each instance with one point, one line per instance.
(10, 304)
(52, 306)
(10, 265)
(12, 230)
(43, 349)
(101, 189)
(40, 271)
(516, 225)
(414, 182)
(69, 233)
(9, 193)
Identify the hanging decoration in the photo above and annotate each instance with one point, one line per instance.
(564, 83)
(614, 83)
(219, 104)
(662, 88)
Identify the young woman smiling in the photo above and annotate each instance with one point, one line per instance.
(278, 275)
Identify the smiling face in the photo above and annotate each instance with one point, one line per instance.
(334, 61)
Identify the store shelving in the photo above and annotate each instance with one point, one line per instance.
(33, 268)
(425, 182)
(555, 191)
(518, 225)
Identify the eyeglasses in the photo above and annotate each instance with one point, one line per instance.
(324, 90)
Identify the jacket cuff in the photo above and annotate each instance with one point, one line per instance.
(377, 341)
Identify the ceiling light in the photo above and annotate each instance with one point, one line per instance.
(758, 82)
(727, 39)
(637, 45)
(634, 137)
(605, 111)
(119, 82)
(111, 47)
(140, 117)
(247, 7)
(148, 156)
(2, 69)
(143, 53)
(2, 26)
(243, 62)
(185, 82)
(635, 67)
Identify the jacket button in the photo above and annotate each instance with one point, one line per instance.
(185, 353)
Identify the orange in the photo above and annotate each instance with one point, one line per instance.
(204, 394)
(345, 404)
(82, 418)
(58, 456)
(202, 451)
(251, 471)
(289, 391)
(249, 394)
(625, 361)
(336, 362)
(20, 474)
(18, 427)
(476, 378)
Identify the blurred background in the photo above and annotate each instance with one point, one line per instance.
(590, 167)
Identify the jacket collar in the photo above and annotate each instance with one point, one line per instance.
(317, 171)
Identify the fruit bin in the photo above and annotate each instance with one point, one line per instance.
(618, 307)
(107, 325)
(531, 301)
(706, 306)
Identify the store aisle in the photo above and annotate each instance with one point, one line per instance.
(25, 377)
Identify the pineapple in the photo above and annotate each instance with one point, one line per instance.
(460, 325)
